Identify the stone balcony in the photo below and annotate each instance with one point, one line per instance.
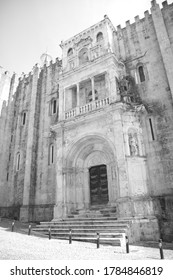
(94, 105)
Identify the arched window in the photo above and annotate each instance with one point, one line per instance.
(17, 161)
(141, 73)
(70, 52)
(99, 36)
(83, 56)
(51, 154)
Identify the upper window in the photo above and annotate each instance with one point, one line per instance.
(90, 97)
(83, 56)
(141, 73)
(70, 52)
(53, 106)
(51, 154)
(24, 118)
(18, 161)
(99, 36)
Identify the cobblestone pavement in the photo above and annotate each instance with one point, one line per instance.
(18, 245)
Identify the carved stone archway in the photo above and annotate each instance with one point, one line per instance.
(86, 152)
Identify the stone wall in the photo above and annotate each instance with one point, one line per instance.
(140, 181)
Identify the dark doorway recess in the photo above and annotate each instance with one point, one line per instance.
(98, 184)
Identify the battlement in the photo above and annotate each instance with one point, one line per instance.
(147, 15)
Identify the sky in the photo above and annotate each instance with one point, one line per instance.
(29, 28)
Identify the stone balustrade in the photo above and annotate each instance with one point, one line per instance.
(70, 114)
(87, 108)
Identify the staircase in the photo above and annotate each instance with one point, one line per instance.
(85, 225)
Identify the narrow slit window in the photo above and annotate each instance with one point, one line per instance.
(151, 129)
(51, 154)
(24, 118)
(18, 162)
(54, 107)
(7, 176)
(141, 74)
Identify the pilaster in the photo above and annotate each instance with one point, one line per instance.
(93, 90)
(28, 178)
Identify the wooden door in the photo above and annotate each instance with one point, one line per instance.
(98, 184)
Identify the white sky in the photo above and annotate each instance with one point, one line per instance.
(29, 27)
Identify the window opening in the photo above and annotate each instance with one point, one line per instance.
(83, 56)
(24, 118)
(99, 36)
(90, 97)
(7, 176)
(18, 162)
(54, 106)
(151, 129)
(70, 52)
(51, 154)
(141, 73)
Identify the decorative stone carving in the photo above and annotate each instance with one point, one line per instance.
(96, 160)
(127, 90)
(84, 41)
(133, 144)
(52, 134)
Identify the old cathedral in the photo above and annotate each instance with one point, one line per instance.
(94, 128)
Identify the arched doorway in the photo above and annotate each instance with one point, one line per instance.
(90, 156)
(98, 184)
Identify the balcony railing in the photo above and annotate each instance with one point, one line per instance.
(87, 108)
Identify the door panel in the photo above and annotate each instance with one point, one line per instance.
(98, 184)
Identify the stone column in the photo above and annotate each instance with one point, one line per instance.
(61, 103)
(60, 191)
(164, 42)
(113, 86)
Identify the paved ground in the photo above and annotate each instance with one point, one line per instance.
(18, 245)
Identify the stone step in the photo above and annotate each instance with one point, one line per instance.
(75, 219)
(85, 221)
(83, 231)
(96, 229)
(85, 224)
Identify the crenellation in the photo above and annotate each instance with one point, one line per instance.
(137, 19)
(153, 3)
(119, 28)
(127, 23)
(146, 14)
(165, 4)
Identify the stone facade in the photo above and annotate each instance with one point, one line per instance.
(102, 115)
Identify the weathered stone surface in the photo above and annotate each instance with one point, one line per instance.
(108, 103)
